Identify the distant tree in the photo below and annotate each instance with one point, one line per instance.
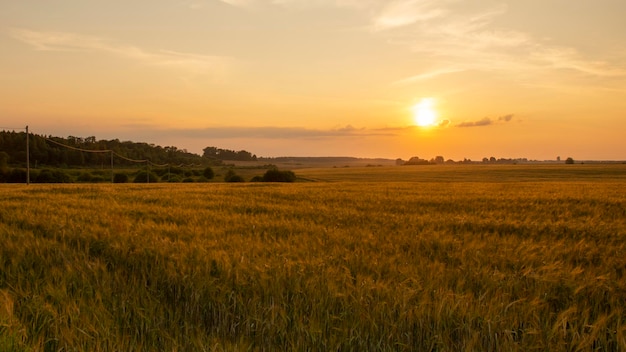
(208, 173)
(569, 161)
(4, 162)
(439, 159)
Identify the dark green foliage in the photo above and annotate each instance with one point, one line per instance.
(275, 175)
(231, 176)
(84, 177)
(16, 176)
(188, 180)
(145, 177)
(97, 179)
(176, 170)
(4, 162)
(208, 173)
(214, 153)
(174, 179)
(45, 152)
(257, 178)
(236, 178)
(120, 178)
(52, 176)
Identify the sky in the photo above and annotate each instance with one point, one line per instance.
(530, 79)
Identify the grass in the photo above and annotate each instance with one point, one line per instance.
(444, 262)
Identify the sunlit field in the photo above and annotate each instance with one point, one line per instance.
(463, 258)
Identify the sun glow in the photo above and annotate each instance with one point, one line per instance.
(424, 113)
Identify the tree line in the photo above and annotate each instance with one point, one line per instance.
(63, 152)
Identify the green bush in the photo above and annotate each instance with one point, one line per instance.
(236, 178)
(84, 177)
(231, 176)
(97, 179)
(275, 175)
(145, 177)
(52, 176)
(16, 176)
(208, 173)
(174, 179)
(120, 178)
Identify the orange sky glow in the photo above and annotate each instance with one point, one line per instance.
(533, 79)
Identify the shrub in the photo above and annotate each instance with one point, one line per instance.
(208, 173)
(569, 161)
(174, 179)
(97, 179)
(275, 175)
(145, 177)
(16, 176)
(188, 180)
(161, 172)
(84, 177)
(229, 174)
(257, 178)
(120, 178)
(176, 170)
(52, 176)
(236, 178)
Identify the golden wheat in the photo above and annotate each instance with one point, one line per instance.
(314, 266)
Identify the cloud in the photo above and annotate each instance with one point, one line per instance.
(274, 132)
(505, 118)
(424, 76)
(406, 12)
(66, 41)
(486, 121)
(444, 123)
(482, 122)
(474, 37)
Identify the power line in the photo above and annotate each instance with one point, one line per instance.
(78, 149)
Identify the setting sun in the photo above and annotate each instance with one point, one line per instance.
(424, 113)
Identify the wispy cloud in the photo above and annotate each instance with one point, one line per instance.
(401, 13)
(275, 132)
(428, 75)
(66, 41)
(477, 40)
(486, 121)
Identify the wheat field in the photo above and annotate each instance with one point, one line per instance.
(433, 260)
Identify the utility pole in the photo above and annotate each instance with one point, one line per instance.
(27, 158)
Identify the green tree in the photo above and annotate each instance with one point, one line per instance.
(208, 173)
(4, 162)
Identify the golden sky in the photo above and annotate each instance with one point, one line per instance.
(533, 78)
